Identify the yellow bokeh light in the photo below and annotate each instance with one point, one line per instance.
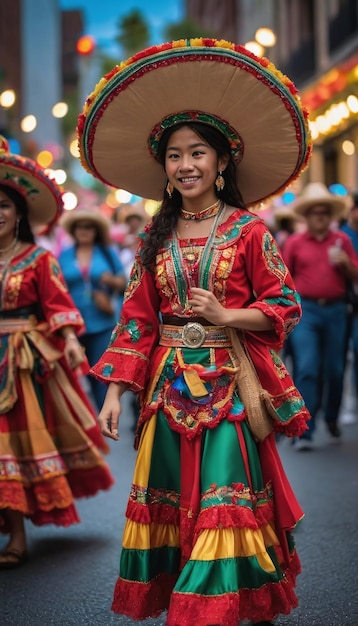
(73, 148)
(111, 200)
(348, 147)
(314, 130)
(123, 196)
(60, 109)
(151, 207)
(352, 103)
(28, 123)
(255, 48)
(44, 158)
(265, 37)
(7, 98)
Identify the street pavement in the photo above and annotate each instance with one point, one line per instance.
(69, 578)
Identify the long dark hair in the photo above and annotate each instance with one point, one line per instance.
(25, 233)
(165, 220)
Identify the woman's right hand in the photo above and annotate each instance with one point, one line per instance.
(109, 416)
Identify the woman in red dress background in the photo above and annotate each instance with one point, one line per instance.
(49, 439)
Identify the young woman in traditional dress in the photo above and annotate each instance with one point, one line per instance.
(210, 130)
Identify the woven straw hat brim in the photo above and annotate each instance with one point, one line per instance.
(282, 213)
(337, 205)
(42, 194)
(126, 213)
(217, 78)
(70, 218)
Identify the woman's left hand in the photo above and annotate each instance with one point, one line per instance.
(204, 304)
(74, 352)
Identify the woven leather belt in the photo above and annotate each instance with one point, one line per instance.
(194, 335)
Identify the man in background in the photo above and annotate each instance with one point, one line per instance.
(321, 259)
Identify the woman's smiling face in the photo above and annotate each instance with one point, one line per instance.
(191, 164)
(8, 217)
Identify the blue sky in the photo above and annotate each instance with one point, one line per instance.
(101, 17)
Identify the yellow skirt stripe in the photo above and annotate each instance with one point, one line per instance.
(146, 536)
(229, 543)
(211, 544)
(142, 465)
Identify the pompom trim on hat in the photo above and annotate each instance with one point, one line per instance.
(235, 141)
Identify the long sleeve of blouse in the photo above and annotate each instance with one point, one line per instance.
(36, 280)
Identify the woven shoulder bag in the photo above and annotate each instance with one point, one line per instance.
(257, 401)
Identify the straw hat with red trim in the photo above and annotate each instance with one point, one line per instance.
(42, 194)
(215, 82)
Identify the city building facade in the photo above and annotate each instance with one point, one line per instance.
(39, 63)
(317, 47)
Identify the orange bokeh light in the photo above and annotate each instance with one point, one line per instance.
(86, 45)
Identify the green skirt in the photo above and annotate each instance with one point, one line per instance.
(200, 538)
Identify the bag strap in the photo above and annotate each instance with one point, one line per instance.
(256, 400)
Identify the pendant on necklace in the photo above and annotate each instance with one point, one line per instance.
(190, 256)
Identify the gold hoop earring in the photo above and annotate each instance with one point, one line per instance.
(220, 181)
(169, 189)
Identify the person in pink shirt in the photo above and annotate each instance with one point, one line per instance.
(320, 259)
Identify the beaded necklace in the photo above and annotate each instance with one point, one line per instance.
(205, 214)
(184, 276)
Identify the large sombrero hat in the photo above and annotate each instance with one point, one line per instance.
(215, 82)
(317, 193)
(70, 219)
(42, 194)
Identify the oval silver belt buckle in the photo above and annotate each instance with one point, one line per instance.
(193, 335)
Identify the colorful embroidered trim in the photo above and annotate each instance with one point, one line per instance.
(234, 139)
